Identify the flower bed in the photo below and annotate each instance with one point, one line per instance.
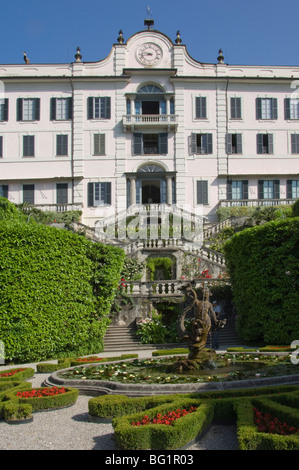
(227, 406)
(41, 392)
(169, 418)
(44, 398)
(17, 374)
(266, 423)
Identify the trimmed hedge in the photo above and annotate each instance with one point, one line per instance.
(45, 403)
(155, 436)
(70, 362)
(263, 263)
(24, 374)
(225, 406)
(56, 290)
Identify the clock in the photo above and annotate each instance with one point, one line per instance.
(149, 54)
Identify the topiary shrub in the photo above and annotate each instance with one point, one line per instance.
(263, 263)
(56, 291)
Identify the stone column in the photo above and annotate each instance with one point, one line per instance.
(132, 190)
(169, 189)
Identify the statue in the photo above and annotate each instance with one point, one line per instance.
(205, 320)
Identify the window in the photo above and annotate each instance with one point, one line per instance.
(202, 192)
(295, 143)
(28, 109)
(264, 143)
(99, 144)
(28, 146)
(237, 189)
(291, 108)
(233, 143)
(61, 109)
(268, 189)
(62, 193)
(292, 189)
(1, 146)
(200, 107)
(150, 144)
(28, 193)
(235, 108)
(266, 108)
(201, 143)
(61, 145)
(99, 108)
(4, 109)
(99, 194)
(4, 190)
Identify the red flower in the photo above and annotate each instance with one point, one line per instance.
(44, 392)
(167, 419)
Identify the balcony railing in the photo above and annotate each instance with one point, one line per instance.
(135, 120)
(255, 202)
(55, 207)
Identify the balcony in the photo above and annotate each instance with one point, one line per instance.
(160, 121)
(255, 202)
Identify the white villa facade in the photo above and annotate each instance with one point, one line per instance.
(148, 125)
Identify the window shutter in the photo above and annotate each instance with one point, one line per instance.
(107, 193)
(274, 108)
(276, 189)
(270, 143)
(202, 192)
(4, 191)
(137, 107)
(106, 107)
(99, 144)
(261, 189)
(28, 146)
(90, 193)
(245, 189)
(229, 143)
(28, 193)
(19, 109)
(1, 146)
(235, 106)
(259, 141)
(287, 108)
(90, 107)
(163, 143)
(229, 193)
(210, 143)
(201, 107)
(238, 143)
(163, 107)
(193, 143)
(37, 109)
(289, 189)
(70, 103)
(137, 143)
(5, 114)
(62, 193)
(53, 109)
(258, 108)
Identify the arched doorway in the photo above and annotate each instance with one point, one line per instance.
(151, 184)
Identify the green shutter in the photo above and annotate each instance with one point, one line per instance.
(137, 143)
(163, 143)
(90, 193)
(37, 109)
(210, 143)
(287, 108)
(90, 107)
(19, 109)
(53, 109)
(258, 108)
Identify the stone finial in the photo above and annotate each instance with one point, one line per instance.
(78, 55)
(220, 58)
(26, 60)
(178, 38)
(120, 38)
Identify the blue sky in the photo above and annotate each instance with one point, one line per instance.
(250, 32)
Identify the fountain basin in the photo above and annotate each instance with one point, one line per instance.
(95, 387)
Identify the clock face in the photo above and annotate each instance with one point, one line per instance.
(149, 54)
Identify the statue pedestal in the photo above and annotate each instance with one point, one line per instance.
(197, 360)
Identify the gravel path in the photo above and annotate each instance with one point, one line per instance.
(70, 429)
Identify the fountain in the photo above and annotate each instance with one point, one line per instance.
(205, 320)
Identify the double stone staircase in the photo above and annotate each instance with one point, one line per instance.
(123, 338)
